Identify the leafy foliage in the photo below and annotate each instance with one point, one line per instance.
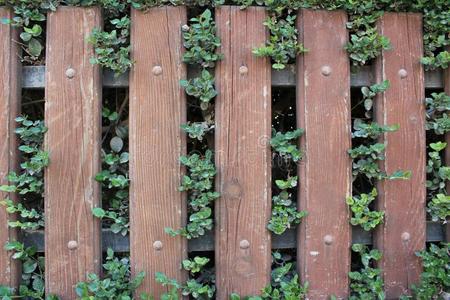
(285, 283)
(437, 107)
(201, 287)
(32, 281)
(362, 214)
(283, 46)
(285, 144)
(201, 41)
(367, 282)
(439, 208)
(29, 183)
(115, 284)
(114, 175)
(435, 278)
(199, 184)
(201, 88)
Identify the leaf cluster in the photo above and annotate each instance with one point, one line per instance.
(199, 184)
(362, 214)
(285, 144)
(437, 107)
(367, 282)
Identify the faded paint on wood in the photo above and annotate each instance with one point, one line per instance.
(9, 109)
(157, 109)
(323, 110)
(73, 116)
(243, 129)
(403, 231)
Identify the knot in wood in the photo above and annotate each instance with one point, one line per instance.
(406, 236)
(233, 189)
(72, 245)
(325, 70)
(70, 73)
(157, 70)
(328, 239)
(157, 245)
(243, 70)
(402, 73)
(244, 244)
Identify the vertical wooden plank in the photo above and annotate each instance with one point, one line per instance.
(157, 109)
(323, 110)
(73, 116)
(243, 159)
(403, 231)
(9, 108)
(447, 139)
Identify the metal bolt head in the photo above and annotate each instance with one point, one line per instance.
(70, 73)
(243, 70)
(328, 239)
(402, 73)
(244, 244)
(325, 70)
(157, 245)
(72, 245)
(157, 70)
(406, 236)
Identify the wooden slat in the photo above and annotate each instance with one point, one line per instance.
(73, 117)
(447, 139)
(157, 109)
(9, 108)
(243, 124)
(323, 110)
(403, 201)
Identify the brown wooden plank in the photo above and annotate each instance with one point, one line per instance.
(403, 201)
(323, 110)
(9, 108)
(157, 109)
(447, 139)
(73, 116)
(243, 125)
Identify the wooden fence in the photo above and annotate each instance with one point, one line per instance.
(73, 89)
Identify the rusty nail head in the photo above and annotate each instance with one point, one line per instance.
(157, 70)
(243, 70)
(157, 245)
(244, 244)
(402, 73)
(406, 236)
(70, 73)
(326, 70)
(328, 239)
(72, 245)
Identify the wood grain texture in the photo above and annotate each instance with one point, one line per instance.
(402, 200)
(157, 109)
(243, 128)
(447, 139)
(323, 110)
(73, 117)
(10, 98)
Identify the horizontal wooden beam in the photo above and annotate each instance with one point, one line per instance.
(33, 78)
(119, 243)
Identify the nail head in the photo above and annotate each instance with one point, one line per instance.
(326, 70)
(157, 70)
(403, 73)
(157, 245)
(406, 236)
(328, 239)
(243, 70)
(70, 73)
(72, 245)
(244, 244)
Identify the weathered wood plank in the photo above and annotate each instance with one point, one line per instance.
(323, 110)
(403, 231)
(9, 109)
(157, 109)
(73, 116)
(243, 128)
